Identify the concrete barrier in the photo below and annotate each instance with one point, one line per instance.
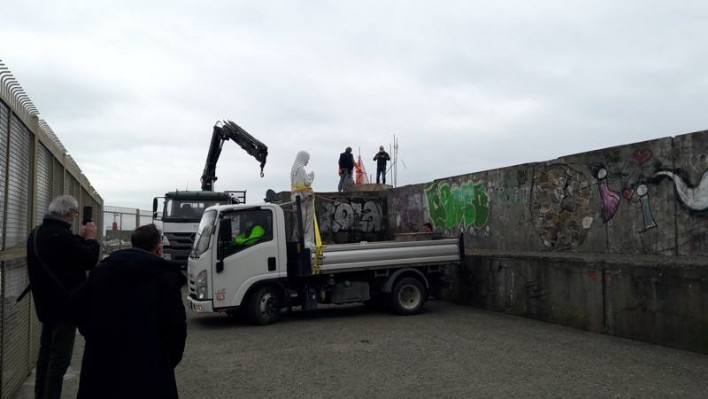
(611, 241)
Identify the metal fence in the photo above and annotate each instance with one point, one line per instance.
(34, 168)
(119, 224)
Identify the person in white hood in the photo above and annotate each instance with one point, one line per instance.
(301, 186)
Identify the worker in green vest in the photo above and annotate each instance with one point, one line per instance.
(251, 235)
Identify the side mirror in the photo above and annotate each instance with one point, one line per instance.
(154, 208)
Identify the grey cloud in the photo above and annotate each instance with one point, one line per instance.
(465, 85)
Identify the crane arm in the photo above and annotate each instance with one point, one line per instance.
(230, 131)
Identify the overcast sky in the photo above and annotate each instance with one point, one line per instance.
(133, 88)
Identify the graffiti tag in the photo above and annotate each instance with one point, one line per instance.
(452, 206)
(341, 216)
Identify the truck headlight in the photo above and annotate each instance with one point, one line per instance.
(201, 286)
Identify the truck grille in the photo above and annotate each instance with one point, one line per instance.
(180, 247)
(180, 240)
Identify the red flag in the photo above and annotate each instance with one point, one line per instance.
(360, 172)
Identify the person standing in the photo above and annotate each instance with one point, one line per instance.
(346, 165)
(301, 185)
(381, 158)
(131, 315)
(57, 261)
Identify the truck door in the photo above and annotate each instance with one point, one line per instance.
(247, 254)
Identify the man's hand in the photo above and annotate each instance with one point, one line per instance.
(88, 231)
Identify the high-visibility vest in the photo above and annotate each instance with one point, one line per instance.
(257, 232)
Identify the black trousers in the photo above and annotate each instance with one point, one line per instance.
(56, 346)
(381, 171)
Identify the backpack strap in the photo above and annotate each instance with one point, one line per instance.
(44, 265)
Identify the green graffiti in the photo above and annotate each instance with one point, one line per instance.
(454, 206)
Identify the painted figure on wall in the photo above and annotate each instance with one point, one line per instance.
(610, 199)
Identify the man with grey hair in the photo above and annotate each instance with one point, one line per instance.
(57, 261)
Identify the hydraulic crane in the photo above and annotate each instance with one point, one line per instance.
(225, 131)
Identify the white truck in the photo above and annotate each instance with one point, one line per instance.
(275, 274)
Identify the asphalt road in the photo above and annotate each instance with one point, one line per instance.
(450, 351)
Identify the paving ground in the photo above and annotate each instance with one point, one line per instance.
(450, 351)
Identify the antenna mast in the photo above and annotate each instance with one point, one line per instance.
(395, 161)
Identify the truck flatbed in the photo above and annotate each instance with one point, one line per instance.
(384, 254)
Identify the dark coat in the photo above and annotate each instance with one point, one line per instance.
(68, 256)
(131, 314)
(346, 161)
(381, 157)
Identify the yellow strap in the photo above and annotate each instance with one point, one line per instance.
(319, 248)
(301, 187)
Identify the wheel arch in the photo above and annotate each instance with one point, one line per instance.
(279, 285)
(405, 272)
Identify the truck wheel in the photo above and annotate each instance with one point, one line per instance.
(264, 306)
(408, 296)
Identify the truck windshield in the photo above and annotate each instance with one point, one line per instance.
(187, 209)
(204, 233)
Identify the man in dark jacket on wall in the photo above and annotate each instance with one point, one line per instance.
(131, 314)
(57, 260)
(346, 165)
(381, 158)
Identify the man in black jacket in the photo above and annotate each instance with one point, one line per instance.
(131, 314)
(57, 261)
(381, 158)
(346, 165)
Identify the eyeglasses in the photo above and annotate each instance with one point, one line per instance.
(75, 211)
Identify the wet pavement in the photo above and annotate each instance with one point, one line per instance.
(450, 351)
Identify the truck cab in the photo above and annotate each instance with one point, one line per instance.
(223, 269)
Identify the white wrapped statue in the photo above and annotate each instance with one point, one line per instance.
(301, 186)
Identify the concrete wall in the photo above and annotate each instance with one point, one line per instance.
(612, 241)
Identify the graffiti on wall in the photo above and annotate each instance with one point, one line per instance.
(512, 192)
(693, 197)
(560, 206)
(643, 198)
(453, 206)
(634, 189)
(357, 215)
(689, 184)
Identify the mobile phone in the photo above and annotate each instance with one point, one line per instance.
(88, 215)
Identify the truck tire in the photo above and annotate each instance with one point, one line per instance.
(408, 296)
(264, 306)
